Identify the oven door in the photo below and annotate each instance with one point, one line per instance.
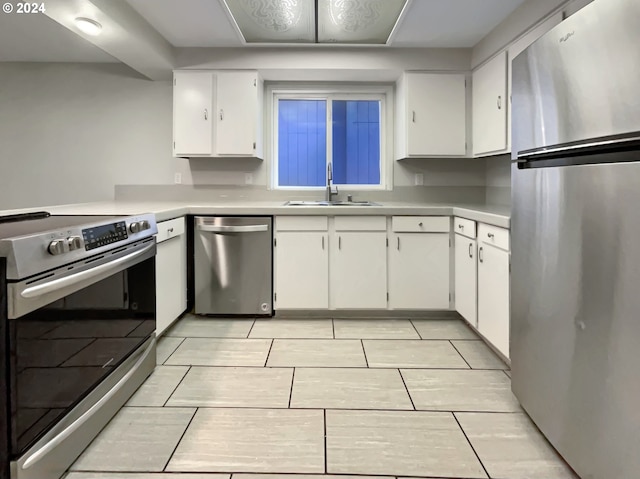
(70, 328)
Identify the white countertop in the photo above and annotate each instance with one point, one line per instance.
(494, 215)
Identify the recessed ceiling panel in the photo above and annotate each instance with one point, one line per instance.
(357, 21)
(275, 21)
(451, 23)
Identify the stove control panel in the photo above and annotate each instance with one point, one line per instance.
(102, 235)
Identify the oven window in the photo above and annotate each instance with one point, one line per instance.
(61, 351)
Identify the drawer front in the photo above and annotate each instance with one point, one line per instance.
(464, 227)
(360, 223)
(493, 235)
(170, 229)
(421, 224)
(302, 223)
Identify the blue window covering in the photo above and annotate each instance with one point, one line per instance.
(356, 142)
(302, 142)
(302, 148)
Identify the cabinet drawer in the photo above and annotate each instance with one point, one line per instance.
(493, 235)
(302, 223)
(361, 223)
(464, 227)
(420, 224)
(169, 229)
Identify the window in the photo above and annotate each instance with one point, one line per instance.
(314, 129)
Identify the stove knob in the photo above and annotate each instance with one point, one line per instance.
(74, 243)
(57, 247)
(145, 225)
(135, 227)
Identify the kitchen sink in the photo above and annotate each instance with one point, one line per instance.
(331, 203)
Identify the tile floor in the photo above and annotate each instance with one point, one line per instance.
(322, 398)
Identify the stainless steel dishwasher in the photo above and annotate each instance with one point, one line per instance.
(233, 265)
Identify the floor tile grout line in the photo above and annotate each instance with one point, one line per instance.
(268, 353)
(172, 353)
(251, 328)
(238, 338)
(260, 366)
(470, 445)
(312, 408)
(365, 353)
(293, 377)
(416, 329)
(177, 385)
(407, 389)
(324, 411)
(180, 440)
(463, 358)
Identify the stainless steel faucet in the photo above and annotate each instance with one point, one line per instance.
(330, 193)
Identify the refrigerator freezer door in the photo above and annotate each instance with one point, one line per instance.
(575, 314)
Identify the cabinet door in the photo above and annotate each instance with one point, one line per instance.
(419, 271)
(437, 115)
(358, 270)
(466, 279)
(237, 116)
(493, 296)
(490, 106)
(171, 281)
(301, 270)
(192, 113)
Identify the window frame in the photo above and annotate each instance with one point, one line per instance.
(382, 93)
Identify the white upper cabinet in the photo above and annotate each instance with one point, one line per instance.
(192, 113)
(490, 104)
(239, 114)
(217, 114)
(431, 115)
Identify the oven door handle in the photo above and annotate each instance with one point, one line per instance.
(89, 276)
(34, 458)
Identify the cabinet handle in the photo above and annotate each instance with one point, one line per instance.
(339, 242)
(206, 114)
(420, 225)
(323, 242)
(170, 230)
(470, 253)
(480, 258)
(413, 116)
(499, 102)
(491, 235)
(398, 243)
(221, 114)
(460, 227)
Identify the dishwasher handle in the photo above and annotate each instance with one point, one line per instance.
(233, 229)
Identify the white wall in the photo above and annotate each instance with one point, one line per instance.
(70, 132)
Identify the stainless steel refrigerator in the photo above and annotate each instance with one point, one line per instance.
(575, 285)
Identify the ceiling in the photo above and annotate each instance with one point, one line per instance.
(145, 34)
(426, 23)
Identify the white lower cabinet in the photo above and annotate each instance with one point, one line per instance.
(301, 270)
(171, 273)
(358, 270)
(419, 271)
(493, 288)
(466, 278)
